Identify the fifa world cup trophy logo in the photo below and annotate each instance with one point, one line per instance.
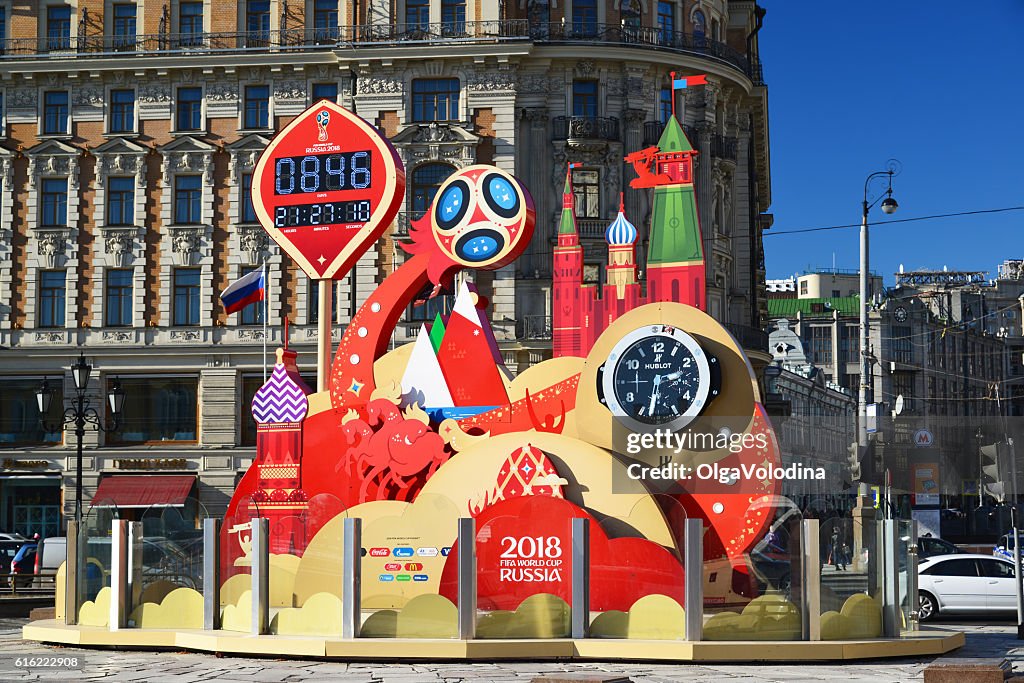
(322, 119)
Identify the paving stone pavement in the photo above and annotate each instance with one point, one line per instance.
(984, 639)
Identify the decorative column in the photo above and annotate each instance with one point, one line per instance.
(633, 140)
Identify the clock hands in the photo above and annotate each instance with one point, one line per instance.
(654, 394)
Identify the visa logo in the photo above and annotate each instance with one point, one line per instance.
(413, 566)
(403, 552)
(420, 577)
(403, 577)
(393, 567)
(379, 552)
(386, 577)
(426, 552)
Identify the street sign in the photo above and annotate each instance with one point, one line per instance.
(871, 423)
(923, 438)
(326, 188)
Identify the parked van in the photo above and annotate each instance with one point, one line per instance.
(49, 557)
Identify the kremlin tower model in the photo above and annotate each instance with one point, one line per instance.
(675, 257)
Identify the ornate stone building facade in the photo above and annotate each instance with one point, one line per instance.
(129, 134)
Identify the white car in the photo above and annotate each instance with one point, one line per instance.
(965, 583)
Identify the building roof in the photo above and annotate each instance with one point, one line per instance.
(788, 308)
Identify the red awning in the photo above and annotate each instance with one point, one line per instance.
(143, 490)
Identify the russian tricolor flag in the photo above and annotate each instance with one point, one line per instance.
(245, 290)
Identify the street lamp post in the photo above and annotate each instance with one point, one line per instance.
(80, 414)
(889, 206)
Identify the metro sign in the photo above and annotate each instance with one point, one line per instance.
(326, 188)
(923, 438)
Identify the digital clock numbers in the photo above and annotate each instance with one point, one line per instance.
(322, 213)
(322, 173)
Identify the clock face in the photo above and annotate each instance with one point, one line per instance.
(657, 377)
(900, 313)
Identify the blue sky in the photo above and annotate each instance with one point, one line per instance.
(936, 84)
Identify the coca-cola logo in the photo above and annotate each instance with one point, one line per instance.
(379, 552)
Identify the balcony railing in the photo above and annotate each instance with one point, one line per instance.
(585, 128)
(591, 227)
(724, 147)
(390, 35)
(748, 337)
(533, 327)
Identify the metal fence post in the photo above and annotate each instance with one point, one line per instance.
(260, 575)
(913, 605)
(810, 579)
(118, 573)
(211, 574)
(890, 579)
(467, 578)
(71, 584)
(351, 576)
(133, 592)
(693, 583)
(580, 577)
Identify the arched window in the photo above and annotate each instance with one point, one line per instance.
(699, 25)
(426, 178)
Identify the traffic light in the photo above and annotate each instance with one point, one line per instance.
(853, 459)
(991, 473)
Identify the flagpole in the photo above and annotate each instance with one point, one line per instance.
(266, 303)
(672, 75)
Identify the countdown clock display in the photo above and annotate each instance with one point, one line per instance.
(658, 376)
(326, 188)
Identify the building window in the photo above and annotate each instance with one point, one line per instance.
(118, 303)
(665, 104)
(314, 301)
(849, 343)
(902, 344)
(257, 107)
(124, 26)
(903, 385)
(190, 109)
(666, 22)
(55, 112)
(257, 23)
(186, 296)
(158, 409)
(122, 111)
(584, 98)
(19, 412)
(699, 25)
(417, 15)
(58, 27)
(586, 188)
(427, 305)
(426, 179)
(253, 313)
(248, 212)
(52, 293)
(250, 385)
(54, 203)
(121, 201)
(188, 194)
(819, 344)
(803, 287)
(584, 17)
(453, 17)
(325, 20)
(190, 24)
(325, 91)
(435, 99)
(3, 22)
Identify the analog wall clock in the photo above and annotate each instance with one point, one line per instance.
(658, 377)
(900, 313)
